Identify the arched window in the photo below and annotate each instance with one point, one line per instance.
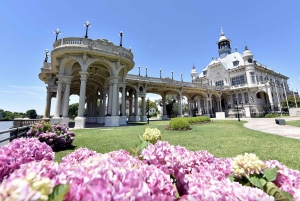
(240, 97)
(246, 97)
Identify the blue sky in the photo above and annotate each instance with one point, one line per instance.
(171, 35)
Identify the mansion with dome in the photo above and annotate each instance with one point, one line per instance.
(98, 72)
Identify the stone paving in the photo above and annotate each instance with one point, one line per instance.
(268, 125)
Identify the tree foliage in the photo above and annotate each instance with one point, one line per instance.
(31, 114)
(9, 116)
(151, 105)
(73, 110)
(172, 105)
(291, 102)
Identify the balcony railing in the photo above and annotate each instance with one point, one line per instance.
(172, 82)
(101, 45)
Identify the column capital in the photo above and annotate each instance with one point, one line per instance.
(113, 79)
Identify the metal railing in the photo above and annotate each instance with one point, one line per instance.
(15, 133)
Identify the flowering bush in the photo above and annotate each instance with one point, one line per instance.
(152, 135)
(21, 151)
(250, 171)
(56, 136)
(164, 172)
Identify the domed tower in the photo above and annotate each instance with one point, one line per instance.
(223, 45)
(194, 73)
(250, 70)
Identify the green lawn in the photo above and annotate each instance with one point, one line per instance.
(293, 123)
(221, 138)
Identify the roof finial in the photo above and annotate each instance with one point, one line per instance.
(235, 49)
(212, 57)
(222, 33)
(193, 66)
(246, 48)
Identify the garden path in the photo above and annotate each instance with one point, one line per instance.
(268, 125)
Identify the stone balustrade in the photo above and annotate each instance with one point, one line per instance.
(18, 122)
(173, 82)
(101, 45)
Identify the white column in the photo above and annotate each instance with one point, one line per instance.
(136, 104)
(103, 105)
(100, 105)
(220, 104)
(48, 104)
(113, 99)
(66, 99)
(123, 101)
(82, 93)
(58, 99)
(270, 98)
(130, 107)
(164, 106)
(143, 106)
(179, 97)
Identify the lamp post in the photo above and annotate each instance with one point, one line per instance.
(121, 35)
(56, 31)
(148, 102)
(237, 108)
(159, 73)
(139, 70)
(242, 108)
(172, 74)
(146, 71)
(87, 25)
(181, 77)
(46, 56)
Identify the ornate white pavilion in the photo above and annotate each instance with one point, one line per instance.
(97, 71)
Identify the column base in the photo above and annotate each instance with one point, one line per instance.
(112, 121)
(123, 120)
(79, 122)
(208, 115)
(65, 120)
(56, 120)
(143, 118)
(164, 117)
(180, 115)
(93, 119)
(134, 119)
(101, 120)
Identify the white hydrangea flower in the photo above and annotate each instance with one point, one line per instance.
(152, 135)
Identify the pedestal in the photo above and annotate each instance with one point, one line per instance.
(208, 115)
(101, 120)
(93, 119)
(164, 117)
(112, 121)
(144, 118)
(133, 118)
(123, 120)
(79, 122)
(56, 120)
(180, 115)
(220, 115)
(65, 120)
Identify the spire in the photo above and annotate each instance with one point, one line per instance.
(222, 33)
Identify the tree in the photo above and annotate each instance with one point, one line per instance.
(73, 110)
(171, 104)
(291, 102)
(31, 114)
(151, 105)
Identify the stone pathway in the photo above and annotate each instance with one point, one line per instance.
(268, 125)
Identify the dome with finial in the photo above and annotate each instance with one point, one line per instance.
(247, 52)
(194, 71)
(222, 36)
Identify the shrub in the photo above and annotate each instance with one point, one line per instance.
(56, 136)
(198, 119)
(275, 115)
(179, 124)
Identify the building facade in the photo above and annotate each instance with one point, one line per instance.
(97, 71)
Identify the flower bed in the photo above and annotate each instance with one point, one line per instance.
(56, 136)
(165, 172)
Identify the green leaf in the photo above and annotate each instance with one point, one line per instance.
(270, 174)
(271, 189)
(286, 194)
(59, 192)
(143, 145)
(258, 182)
(231, 177)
